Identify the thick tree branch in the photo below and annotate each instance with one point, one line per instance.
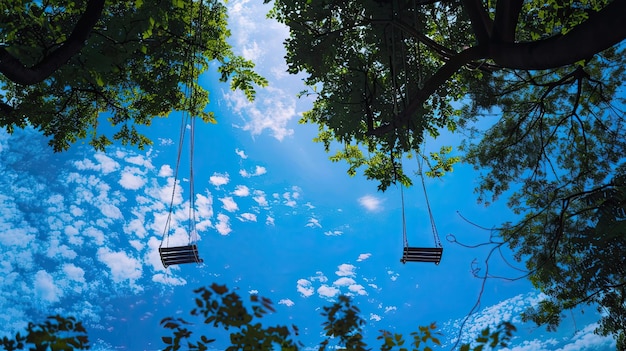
(505, 22)
(481, 23)
(600, 32)
(430, 86)
(14, 70)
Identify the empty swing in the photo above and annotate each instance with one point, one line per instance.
(181, 254)
(420, 254)
(188, 253)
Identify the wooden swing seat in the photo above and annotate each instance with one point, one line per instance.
(422, 254)
(179, 255)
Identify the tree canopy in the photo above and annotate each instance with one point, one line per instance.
(221, 308)
(66, 66)
(387, 74)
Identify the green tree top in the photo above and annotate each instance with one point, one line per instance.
(387, 74)
(66, 64)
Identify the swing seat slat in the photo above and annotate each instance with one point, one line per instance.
(179, 255)
(422, 254)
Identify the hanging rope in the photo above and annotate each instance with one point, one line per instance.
(189, 68)
(430, 212)
(405, 241)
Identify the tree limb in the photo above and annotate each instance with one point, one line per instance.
(601, 31)
(431, 85)
(505, 22)
(13, 69)
(481, 23)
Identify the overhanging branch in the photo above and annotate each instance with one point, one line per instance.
(13, 69)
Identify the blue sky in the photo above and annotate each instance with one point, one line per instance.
(80, 230)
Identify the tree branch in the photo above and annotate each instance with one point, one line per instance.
(431, 85)
(505, 22)
(601, 31)
(481, 23)
(14, 70)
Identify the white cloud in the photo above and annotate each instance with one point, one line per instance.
(166, 171)
(333, 233)
(371, 203)
(229, 204)
(204, 205)
(241, 154)
(251, 217)
(272, 110)
(253, 292)
(508, 310)
(259, 198)
(313, 223)
(168, 279)
(122, 266)
(218, 179)
(327, 291)
(346, 270)
(357, 289)
(269, 220)
(45, 288)
(223, 224)
(165, 141)
(241, 190)
(344, 281)
(257, 172)
(107, 164)
(286, 302)
(305, 288)
(583, 340)
(132, 178)
(390, 309)
(363, 257)
(289, 199)
(375, 317)
(74, 273)
(320, 277)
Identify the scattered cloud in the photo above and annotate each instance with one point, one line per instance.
(259, 198)
(313, 223)
(390, 309)
(166, 171)
(286, 302)
(218, 179)
(165, 141)
(250, 217)
(241, 191)
(257, 172)
(371, 203)
(346, 270)
(229, 204)
(223, 224)
(333, 233)
(305, 288)
(45, 288)
(375, 317)
(241, 154)
(327, 291)
(363, 257)
(132, 178)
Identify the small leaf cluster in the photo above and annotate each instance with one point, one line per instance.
(55, 334)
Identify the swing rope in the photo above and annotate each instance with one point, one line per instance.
(430, 212)
(404, 237)
(186, 120)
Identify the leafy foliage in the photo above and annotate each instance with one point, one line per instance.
(388, 74)
(219, 307)
(56, 334)
(140, 60)
(343, 327)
